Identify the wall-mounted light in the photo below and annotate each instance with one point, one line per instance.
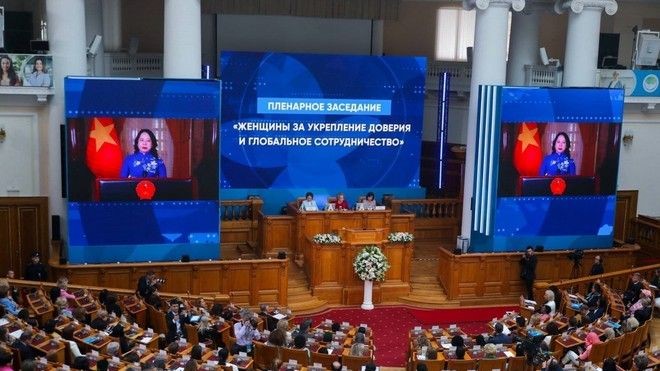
(3, 135)
(628, 138)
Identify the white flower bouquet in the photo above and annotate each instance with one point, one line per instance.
(371, 264)
(326, 239)
(400, 237)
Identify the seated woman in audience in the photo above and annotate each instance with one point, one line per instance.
(67, 334)
(457, 341)
(111, 305)
(550, 301)
(629, 325)
(460, 352)
(118, 333)
(63, 285)
(480, 340)
(595, 313)
(80, 315)
(545, 313)
(420, 341)
(594, 295)
(300, 342)
(490, 351)
(644, 314)
(7, 301)
(608, 334)
(641, 362)
(360, 349)
(62, 306)
(639, 304)
(205, 332)
(520, 350)
(101, 321)
(609, 364)
(552, 330)
(575, 358)
(309, 204)
(431, 354)
(196, 352)
(573, 325)
(277, 338)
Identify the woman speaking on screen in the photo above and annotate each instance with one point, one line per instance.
(559, 162)
(144, 162)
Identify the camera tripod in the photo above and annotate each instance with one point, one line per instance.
(575, 273)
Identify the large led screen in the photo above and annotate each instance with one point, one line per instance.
(142, 170)
(546, 168)
(311, 121)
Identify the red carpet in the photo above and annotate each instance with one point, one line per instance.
(392, 324)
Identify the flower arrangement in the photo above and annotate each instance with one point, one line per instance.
(400, 237)
(371, 264)
(326, 239)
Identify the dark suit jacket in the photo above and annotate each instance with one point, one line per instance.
(528, 268)
(144, 288)
(500, 339)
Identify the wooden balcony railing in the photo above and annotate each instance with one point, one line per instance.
(647, 235)
(436, 220)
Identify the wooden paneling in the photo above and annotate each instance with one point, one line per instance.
(626, 212)
(436, 220)
(23, 230)
(647, 235)
(246, 282)
(495, 277)
(276, 233)
(239, 221)
(329, 269)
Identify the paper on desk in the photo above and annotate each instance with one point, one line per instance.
(509, 354)
(146, 340)
(17, 334)
(279, 316)
(505, 329)
(3, 321)
(446, 345)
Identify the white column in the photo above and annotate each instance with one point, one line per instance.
(182, 49)
(488, 68)
(524, 44)
(112, 25)
(582, 36)
(66, 35)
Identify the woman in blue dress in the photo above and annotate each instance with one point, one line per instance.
(559, 162)
(144, 162)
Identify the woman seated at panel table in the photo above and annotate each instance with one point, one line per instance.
(341, 203)
(309, 204)
(369, 202)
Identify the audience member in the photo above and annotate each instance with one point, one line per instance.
(7, 301)
(500, 337)
(35, 270)
(631, 294)
(640, 362)
(359, 348)
(460, 352)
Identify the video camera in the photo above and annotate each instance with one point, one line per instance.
(576, 256)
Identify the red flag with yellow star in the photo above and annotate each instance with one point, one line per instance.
(527, 154)
(104, 155)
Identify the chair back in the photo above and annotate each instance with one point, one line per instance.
(489, 364)
(626, 345)
(461, 364)
(518, 363)
(191, 334)
(355, 363)
(431, 364)
(613, 347)
(637, 339)
(644, 335)
(597, 353)
(264, 355)
(299, 355)
(324, 359)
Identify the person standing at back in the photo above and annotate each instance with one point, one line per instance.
(528, 271)
(35, 270)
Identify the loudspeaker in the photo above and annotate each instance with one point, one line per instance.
(185, 258)
(39, 46)
(56, 232)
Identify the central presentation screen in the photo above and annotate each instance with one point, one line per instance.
(332, 121)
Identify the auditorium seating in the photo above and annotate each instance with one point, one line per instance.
(355, 363)
(325, 359)
(300, 355)
(264, 354)
(461, 364)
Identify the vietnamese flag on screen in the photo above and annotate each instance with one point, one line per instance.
(527, 154)
(104, 155)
